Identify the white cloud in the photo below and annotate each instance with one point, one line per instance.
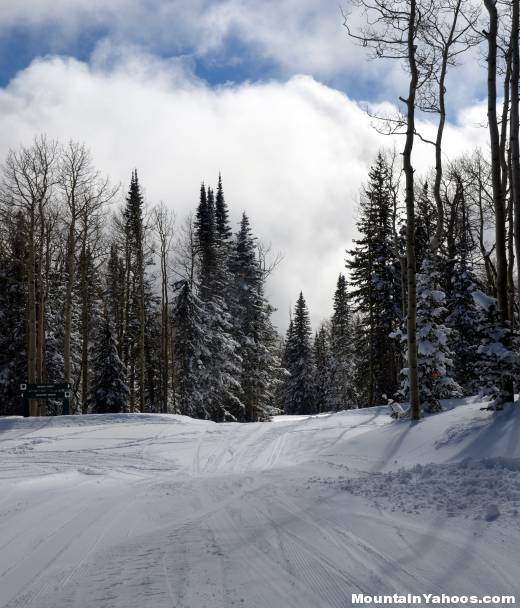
(293, 154)
(295, 36)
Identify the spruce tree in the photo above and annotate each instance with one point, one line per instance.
(464, 321)
(223, 230)
(135, 288)
(298, 390)
(376, 281)
(109, 392)
(253, 330)
(498, 363)
(13, 350)
(435, 358)
(115, 293)
(341, 351)
(325, 397)
(192, 348)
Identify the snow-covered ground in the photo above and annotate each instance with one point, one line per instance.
(151, 511)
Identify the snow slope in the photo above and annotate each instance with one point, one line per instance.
(159, 511)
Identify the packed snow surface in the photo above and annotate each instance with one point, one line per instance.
(152, 511)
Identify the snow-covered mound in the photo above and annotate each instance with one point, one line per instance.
(473, 488)
(160, 511)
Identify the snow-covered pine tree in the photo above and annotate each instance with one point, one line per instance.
(191, 349)
(435, 359)
(464, 315)
(205, 231)
(223, 229)
(153, 360)
(464, 321)
(360, 361)
(115, 293)
(135, 314)
(285, 346)
(91, 317)
(324, 395)
(13, 350)
(298, 388)
(497, 364)
(376, 281)
(342, 392)
(109, 390)
(253, 329)
(223, 363)
(54, 337)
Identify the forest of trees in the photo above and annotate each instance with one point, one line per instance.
(139, 314)
(136, 315)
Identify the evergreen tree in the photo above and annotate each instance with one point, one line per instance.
(298, 390)
(135, 290)
(341, 346)
(497, 363)
(325, 398)
(425, 224)
(464, 322)
(224, 232)
(13, 350)
(223, 364)
(375, 278)
(205, 229)
(54, 338)
(191, 349)
(115, 293)
(435, 362)
(252, 328)
(360, 362)
(109, 393)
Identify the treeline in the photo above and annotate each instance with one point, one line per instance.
(359, 357)
(136, 315)
(428, 39)
(139, 315)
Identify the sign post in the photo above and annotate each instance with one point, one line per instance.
(46, 391)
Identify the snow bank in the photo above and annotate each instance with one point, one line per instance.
(480, 489)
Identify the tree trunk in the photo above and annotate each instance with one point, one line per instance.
(70, 279)
(510, 251)
(142, 361)
(165, 330)
(85, 326)
(413, 379)
(498, 193)
(31, 307)
(514, 132)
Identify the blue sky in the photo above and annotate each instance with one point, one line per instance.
(265, 91)
(226, 40)
(223, 40)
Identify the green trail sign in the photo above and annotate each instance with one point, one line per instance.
(46, 391)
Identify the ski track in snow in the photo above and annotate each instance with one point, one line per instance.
(160, 511)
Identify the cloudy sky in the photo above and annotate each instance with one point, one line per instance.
(269, 92)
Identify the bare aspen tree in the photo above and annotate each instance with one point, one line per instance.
(479, 191)
(94, 199)
(163, 226)
(496, 172)
(393, 31)
(514, 132)
(187, 252)
(449, 32)
(75, 177)
(28, 185)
